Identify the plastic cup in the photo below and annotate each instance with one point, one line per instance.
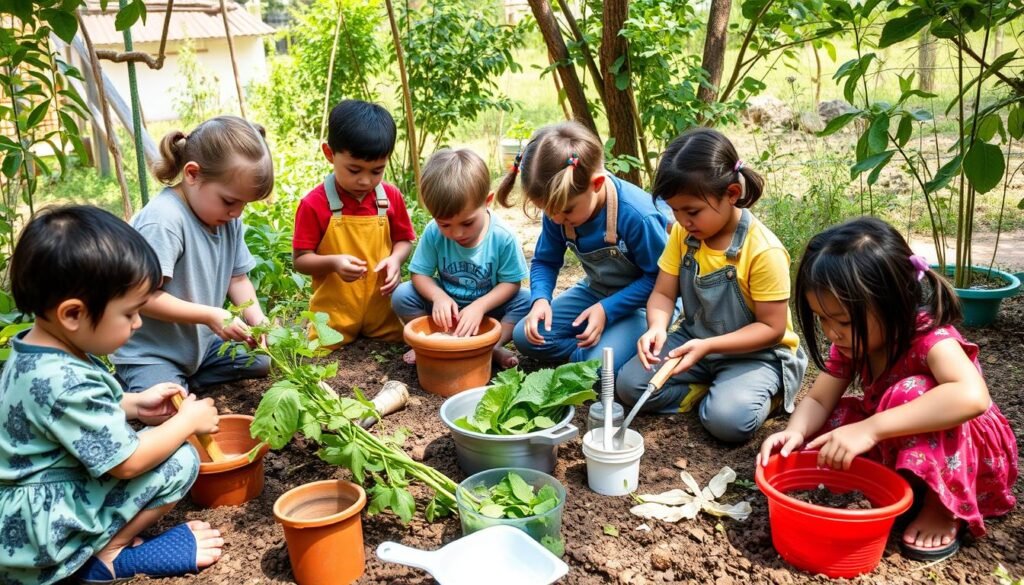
(614, 472)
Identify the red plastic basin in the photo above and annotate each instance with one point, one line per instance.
(832, 541)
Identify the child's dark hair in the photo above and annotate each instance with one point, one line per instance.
(703, 163)
(216, 146)
(79, 252)
(556, 165)
(367, 131)
(865, 263)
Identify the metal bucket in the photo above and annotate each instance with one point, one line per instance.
(478, 452)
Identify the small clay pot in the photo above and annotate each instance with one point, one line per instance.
(446, 364)
(236, 480)
(323, 531)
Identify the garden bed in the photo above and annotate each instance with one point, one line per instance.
(704, 550)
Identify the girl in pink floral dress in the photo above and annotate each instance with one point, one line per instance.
(925, 411)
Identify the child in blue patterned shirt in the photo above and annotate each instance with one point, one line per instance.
(77, 483)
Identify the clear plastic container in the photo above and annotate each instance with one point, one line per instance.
(545, 528)
(595, 416)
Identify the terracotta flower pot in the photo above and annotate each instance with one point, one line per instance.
(235, 480)
(446, 364)
(323, 530)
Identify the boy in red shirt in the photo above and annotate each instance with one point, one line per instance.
(352, 232)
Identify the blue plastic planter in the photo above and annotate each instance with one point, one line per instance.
(981, 306)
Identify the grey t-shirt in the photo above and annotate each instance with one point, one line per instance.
(197, 266)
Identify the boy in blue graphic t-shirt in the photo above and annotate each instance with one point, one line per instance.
(468, 264)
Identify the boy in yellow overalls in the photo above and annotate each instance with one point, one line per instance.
(352, 232)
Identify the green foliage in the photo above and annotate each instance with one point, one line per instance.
(197, 97)
(512, 497)
(34, 85)
(977, 163)
(291, 102)
(269, 229)
(516, 404)
(455, 51)
(300, 402)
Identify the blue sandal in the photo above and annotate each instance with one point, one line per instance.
(170, 554)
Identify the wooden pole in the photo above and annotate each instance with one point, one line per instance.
(407, 97)
(234, 62)
(126, 201)
(330, 74)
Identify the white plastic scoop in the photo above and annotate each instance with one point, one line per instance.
(497, 555)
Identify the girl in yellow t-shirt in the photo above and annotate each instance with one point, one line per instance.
(732, 274)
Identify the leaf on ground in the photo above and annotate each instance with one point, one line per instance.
(610, 530)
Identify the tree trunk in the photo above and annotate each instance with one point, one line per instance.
(714, 48)
(556, 46)
(925, 61)
(617, 103)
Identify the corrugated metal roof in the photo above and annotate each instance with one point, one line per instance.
(195, 19)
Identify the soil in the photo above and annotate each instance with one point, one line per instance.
(822, 496)
(704, 550)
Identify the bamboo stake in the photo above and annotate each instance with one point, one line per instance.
(330, 74)
(234, 62)
(407, 96)
(126, 201)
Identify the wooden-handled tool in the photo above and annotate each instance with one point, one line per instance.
(211, 446)
(657, 381)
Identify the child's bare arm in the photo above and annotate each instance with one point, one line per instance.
(809, 416)
(242, 291)
(158, 443)
(497, 296)
(400, 251)
(961, 395)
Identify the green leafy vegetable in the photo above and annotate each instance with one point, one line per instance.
(300, 402)
(514, 498)
(516, 404)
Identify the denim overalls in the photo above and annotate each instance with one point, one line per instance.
(742, 385)
(608, 270)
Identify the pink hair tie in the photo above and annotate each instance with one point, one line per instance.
(920, 263)
(739, 165)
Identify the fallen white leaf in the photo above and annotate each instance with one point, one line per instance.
(677, 504)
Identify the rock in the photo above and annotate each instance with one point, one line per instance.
(418, 451)
(681, 463)
(666, 473)
(661, 559)
(810, 122)
(725, 580)
(613, 565)
(768, 111)
(832, 109)
(697, 534)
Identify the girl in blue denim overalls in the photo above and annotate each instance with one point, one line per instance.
(613, 228)
(732, 274)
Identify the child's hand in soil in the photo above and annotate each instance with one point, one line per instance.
(469, 318)
(153, 405)
(785, 441)
(649, 346)
(596, 318)
(201, 413)
(541, 311)
(349, 268)
(391, 268)
(445, 312)
(838, 447)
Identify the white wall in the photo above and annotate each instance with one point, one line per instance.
(157, 88)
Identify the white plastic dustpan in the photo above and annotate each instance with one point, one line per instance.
(497, 555)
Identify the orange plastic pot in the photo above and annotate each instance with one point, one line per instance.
(446, 364)
(323, 530)
(235, 480)
(832, 541)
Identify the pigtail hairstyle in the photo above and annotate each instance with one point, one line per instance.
(221, 146)
(866, 265)
(556, 165)
(702, 162)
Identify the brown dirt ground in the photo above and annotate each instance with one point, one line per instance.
(698, 551)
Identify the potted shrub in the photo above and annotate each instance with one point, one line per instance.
(986, 131)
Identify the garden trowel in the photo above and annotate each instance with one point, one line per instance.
(659, 379)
